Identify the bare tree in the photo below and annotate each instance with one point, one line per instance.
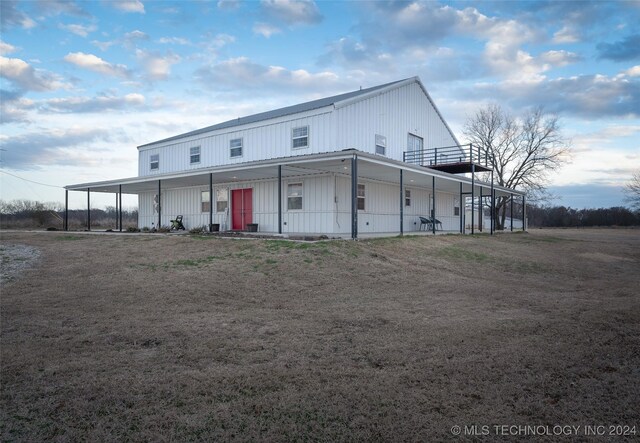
(521, 151)
(632, 189)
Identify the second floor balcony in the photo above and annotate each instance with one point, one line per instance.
(457, 159)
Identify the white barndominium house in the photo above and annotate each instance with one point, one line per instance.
(380, 160)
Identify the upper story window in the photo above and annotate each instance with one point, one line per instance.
(300, 137)
(194, 155)
(154, 161)
(294, 196)
(235, 148)
(415, 143)
(361, 197)
(381, 145)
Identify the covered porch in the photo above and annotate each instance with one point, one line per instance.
(362, 195)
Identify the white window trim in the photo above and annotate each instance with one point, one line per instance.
(199, 154)
(383, 146)
(365, 197)
(215, 191)
(202, 201)
(295, 138)
(151, 162)
(410, 134)
(236, 147)
(405, 198)
(295, 182)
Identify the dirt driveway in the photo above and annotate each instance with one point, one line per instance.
(156, 337)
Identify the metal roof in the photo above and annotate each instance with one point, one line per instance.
(295, 109)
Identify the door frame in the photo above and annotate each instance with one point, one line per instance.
(244, 219)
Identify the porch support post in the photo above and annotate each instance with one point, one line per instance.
(524, 213)
(66, 210)
(480, 211)
(461, 209)
(120, 208)
(401, 203)
(433, 216)
(116, 211)
(159, 205)
(354, 197)
(279, 199)
(473, 183)
(511, 212)
(88, 209)
(493, 203)
(210, 201)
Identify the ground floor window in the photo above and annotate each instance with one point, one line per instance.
(456, 206)
(361, 197)
(407, 197)
(205, 201)
(294, 196)
(222, 199)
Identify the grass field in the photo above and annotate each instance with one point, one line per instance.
(171, 338)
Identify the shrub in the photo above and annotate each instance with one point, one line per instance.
(145, 229)
(197, 230)
(133, 229)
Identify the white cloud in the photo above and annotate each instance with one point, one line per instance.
(128, 5)
(96, 64)
(49, 147)
(221, 40)
(11, 16)
(6, 48)
(92, 104)
(633, 71)
(242, 72)
(156, 66)
(566, 35)
(102, 45)
(293, 12)
(560, 58)
(80, 30)
(23, 75)
(174, 41)
(15, 109)
(265, 29)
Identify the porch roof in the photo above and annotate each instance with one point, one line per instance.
(370, 166)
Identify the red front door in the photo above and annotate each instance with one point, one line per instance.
(241, 208)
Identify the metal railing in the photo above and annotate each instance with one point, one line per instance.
(447, 155)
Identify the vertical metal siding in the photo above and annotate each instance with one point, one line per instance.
(258, 143)
(392, 114)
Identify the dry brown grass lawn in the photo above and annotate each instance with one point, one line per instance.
(165, 338)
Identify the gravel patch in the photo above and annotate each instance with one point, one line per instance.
(14, 259)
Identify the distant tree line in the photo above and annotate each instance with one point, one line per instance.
(29, 214)
(566, 217)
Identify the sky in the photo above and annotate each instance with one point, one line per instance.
(83, 83)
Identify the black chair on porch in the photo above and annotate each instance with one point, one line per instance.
(428, 223)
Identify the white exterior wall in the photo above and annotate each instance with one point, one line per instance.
(393, 114)
(316, 215)
(261, 141)
(382, 208)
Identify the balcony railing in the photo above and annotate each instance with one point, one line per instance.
(448, 155)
